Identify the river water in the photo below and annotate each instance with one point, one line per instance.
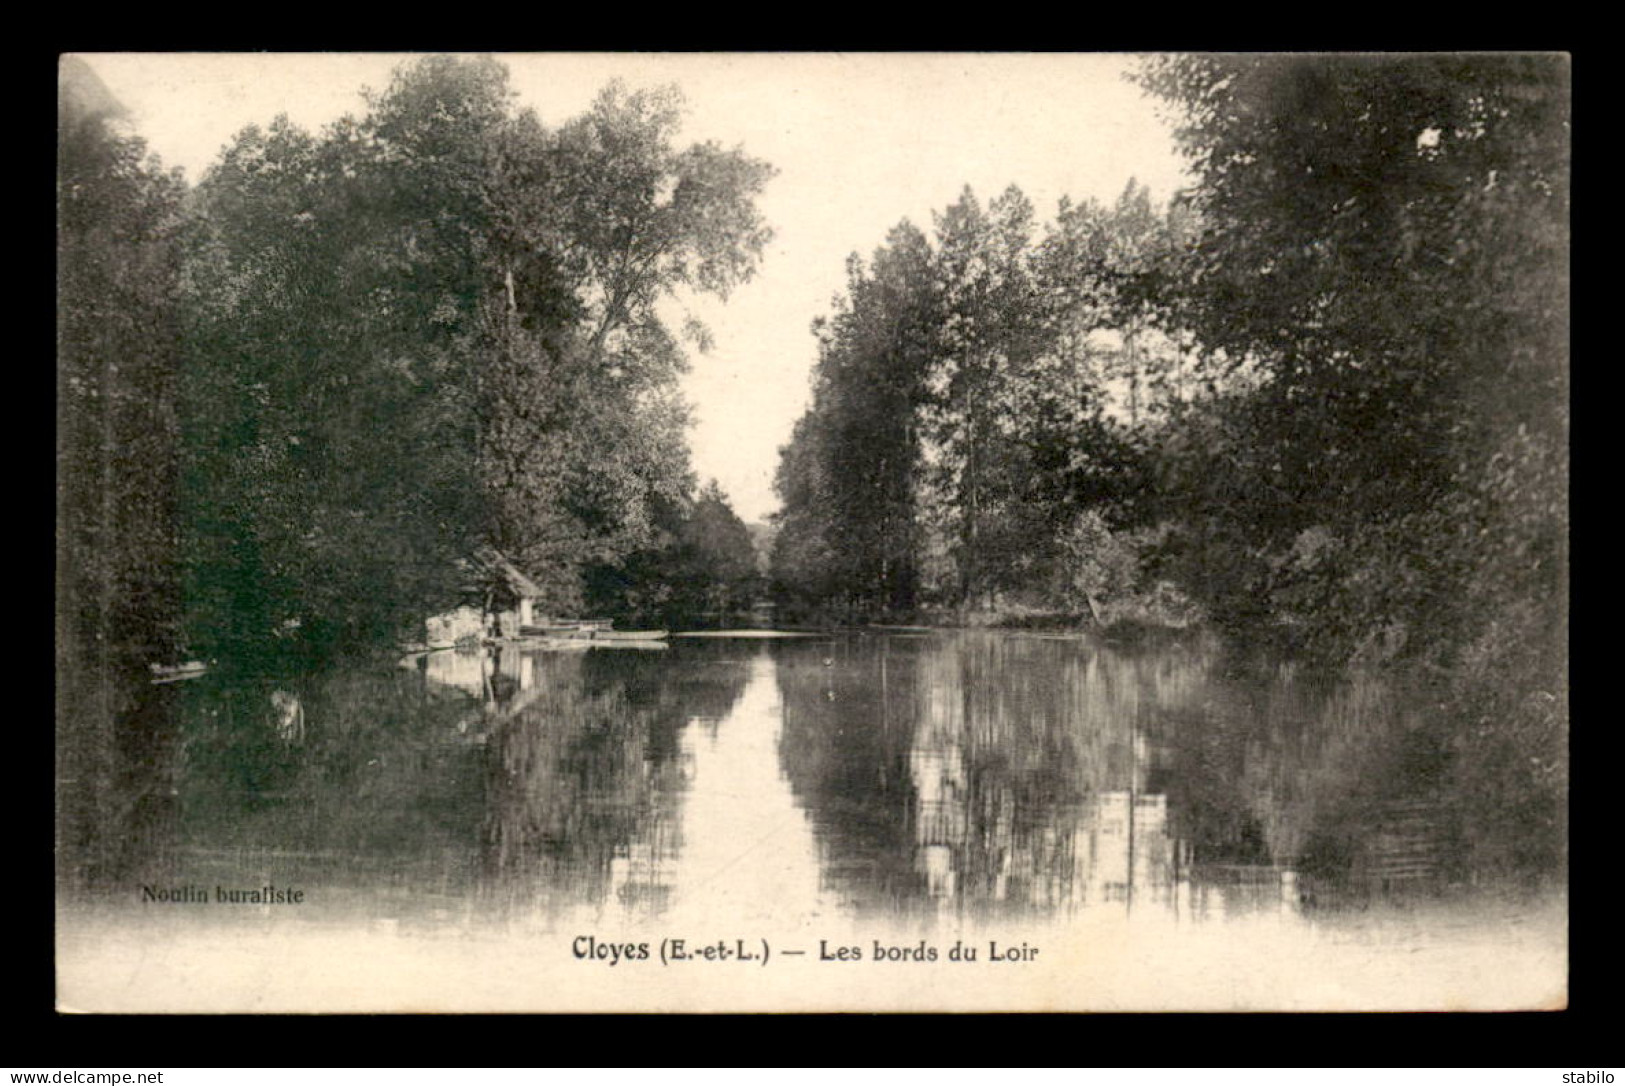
(1105, 829)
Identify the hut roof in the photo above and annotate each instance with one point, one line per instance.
(492, 562)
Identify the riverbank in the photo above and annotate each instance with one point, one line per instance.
(1141, 622)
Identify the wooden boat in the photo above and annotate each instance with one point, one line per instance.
(536, 642)
(591, 630)
(583, 627)
(178, 672)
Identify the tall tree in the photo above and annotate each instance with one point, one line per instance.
(990, 334)
(645, 219)
(118, 264)
(118, 598)
(875, 356)
(335, 286)
(434, 326)
(804, 561)
(962, 417)
(1384, 241)
(600, 221)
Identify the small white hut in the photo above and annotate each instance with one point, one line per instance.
(500, 599)
(509, 601)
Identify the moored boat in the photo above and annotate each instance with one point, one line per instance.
(178, 672)
(590, 630)
(571, 627)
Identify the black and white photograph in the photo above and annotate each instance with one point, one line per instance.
(812, 532)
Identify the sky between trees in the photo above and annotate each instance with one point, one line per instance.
(860, 141)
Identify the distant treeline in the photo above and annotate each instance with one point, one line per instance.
(295, 398)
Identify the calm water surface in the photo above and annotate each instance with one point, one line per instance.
(989, 774)
(921, 781)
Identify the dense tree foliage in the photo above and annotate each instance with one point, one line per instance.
(1384, 241)
(1384, 244)
(1324, 391)
(715, 572)
(1322, 394)
(700, 569)
(296, 399)
(118, 596)
(964, 416)
(851, 509)
(118, 264)
(436, 326)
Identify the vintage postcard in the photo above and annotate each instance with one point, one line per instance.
(811, 532)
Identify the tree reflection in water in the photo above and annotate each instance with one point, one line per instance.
(585, 780)
(1003, 775)
(355, 782)
(984, 775)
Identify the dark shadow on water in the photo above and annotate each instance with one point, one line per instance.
(995, 775)
(1000, 775)
(584, 781)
